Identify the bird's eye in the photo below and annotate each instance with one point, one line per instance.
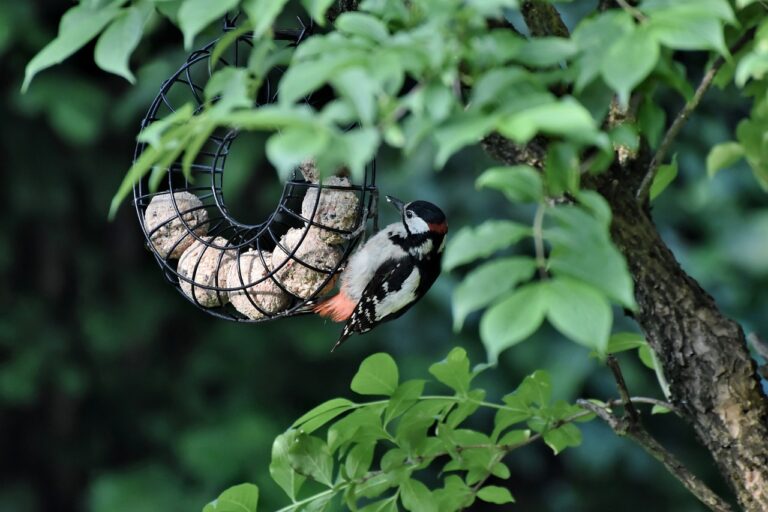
(409, 214)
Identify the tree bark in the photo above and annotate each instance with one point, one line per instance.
(703, 354)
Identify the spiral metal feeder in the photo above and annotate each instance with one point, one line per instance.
(231, 269)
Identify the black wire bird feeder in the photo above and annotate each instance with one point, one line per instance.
(230, 269)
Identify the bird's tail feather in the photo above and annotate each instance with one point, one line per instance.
(338, 308)
(345, 333)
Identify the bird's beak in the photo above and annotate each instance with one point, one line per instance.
(396, 203)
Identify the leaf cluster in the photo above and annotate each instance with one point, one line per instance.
(382, 455)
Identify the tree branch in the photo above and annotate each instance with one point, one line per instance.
(669, 137)
(340, 8)
(543, 19)
(634, 431)
(504, 150)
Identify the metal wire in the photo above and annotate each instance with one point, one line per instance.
(204, 224)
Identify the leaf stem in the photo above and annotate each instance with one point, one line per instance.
(295, 505)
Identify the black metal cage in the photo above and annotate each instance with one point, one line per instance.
(231, 269)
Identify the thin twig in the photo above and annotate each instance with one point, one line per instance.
(623, 427)
(621, 384)
(669, 137)
(634, 11)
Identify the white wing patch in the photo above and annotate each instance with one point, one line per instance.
(394, 302)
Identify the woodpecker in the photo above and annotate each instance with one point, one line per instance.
(391, 272)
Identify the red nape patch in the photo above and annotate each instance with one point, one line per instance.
(439, 228)
(338, 308)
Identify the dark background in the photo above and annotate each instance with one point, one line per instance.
(118, 395)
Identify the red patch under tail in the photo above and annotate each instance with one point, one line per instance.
(338, 308)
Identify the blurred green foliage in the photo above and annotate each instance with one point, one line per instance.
(116, 394)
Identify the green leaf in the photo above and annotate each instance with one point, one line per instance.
(455, 494)
(582, 249)
(359, 460)
(79, 25)
(120, 39)
(240, 498)
(459, 131)
(322, 414)
(319, 503)
(495, 494)
(563, 437)
(453, 371)
(660, 409)
(753, 65)
(516, 411)
(544, 52)
(723, 155)
(682, 8)
(292, 146)
(360, 89)
(487, 283)
(303, 77)
(416, 497)
(280, 467)
(354, 149)
(535, 388)
(385, 505)
(310, 456)
(362, 25)
(229, 89)
(515, 438)
(665, 175)
(411, 433)
(580, 312)
(513, 319)
(377, 375)
(519, 183)
(317, 8)
(595, 36)
(492, 85)
(646, 356)
(403, 398)
(651, 121)
(272, 117)
(195, 15)
(362, 425)
(501, 470)
(263, 13)
(687, 30)
(561, 169)
(623, 341)
(630, 60)
(566, 117)
(465, 408)
(470, 244)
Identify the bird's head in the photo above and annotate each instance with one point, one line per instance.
(420, 217)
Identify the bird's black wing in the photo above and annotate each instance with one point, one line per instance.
(389, 294)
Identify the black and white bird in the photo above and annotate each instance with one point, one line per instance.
(391, 272)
